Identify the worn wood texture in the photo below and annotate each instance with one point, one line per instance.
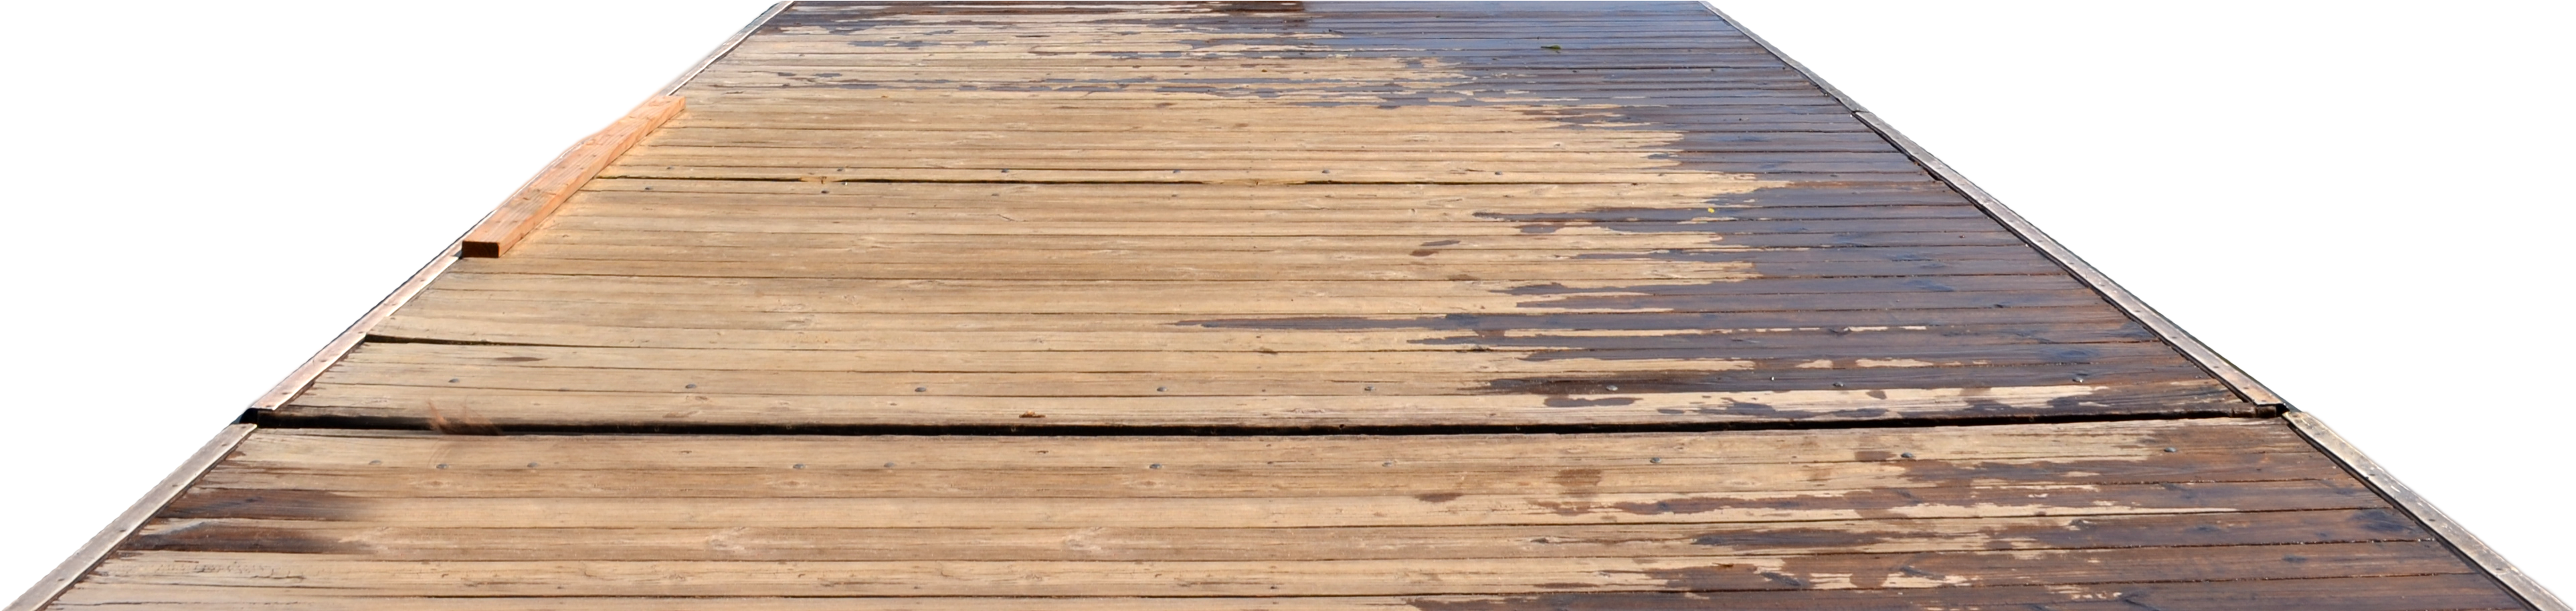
(2169, 514)
(1259, 215)
(1462, 222)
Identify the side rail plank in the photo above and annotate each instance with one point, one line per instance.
(2253, 391)
(2451, 532)
(116, 532)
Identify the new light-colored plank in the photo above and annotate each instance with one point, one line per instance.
(530, 206)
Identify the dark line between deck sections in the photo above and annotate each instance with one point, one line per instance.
(291, 420)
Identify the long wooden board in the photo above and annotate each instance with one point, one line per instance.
(530, 206)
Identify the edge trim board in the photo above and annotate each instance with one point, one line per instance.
(2307, 425)
(302, 378)
(90, 554)
(2415, 505)
(673, 88)
(2191, 347)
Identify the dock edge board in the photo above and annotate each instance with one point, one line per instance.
(91, 553)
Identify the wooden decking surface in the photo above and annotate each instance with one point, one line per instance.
(1261, 305)
(2163, 514)
(1259, 215)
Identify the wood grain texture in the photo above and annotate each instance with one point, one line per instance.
(2202, 513)
(1150, 241)
(1259, 215)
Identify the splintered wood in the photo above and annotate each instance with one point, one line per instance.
(1259, 215)
(2166, 514)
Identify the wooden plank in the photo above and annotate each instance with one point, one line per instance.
(1565, 197)
(1634, 269)
(2419, 593)
(720, 330)
(1264, 577)
(615, 289)
(1327, 543)
(537, 199)
(656, 408)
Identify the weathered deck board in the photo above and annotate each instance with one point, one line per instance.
(1257, 215)
(2188, 511)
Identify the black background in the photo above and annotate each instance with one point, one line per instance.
(2296, 189)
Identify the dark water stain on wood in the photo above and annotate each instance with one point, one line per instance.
(194, 536)
(263, 504)
(2394, 593)
(1886, 503)
(1562, 401)
(1792, 538)
(1578, 482)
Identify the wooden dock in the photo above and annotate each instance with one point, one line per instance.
(1268, 305)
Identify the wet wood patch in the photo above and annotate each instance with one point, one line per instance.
(2171, 514)
(1259, 214)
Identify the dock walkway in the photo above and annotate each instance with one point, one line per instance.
(1269, 305)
